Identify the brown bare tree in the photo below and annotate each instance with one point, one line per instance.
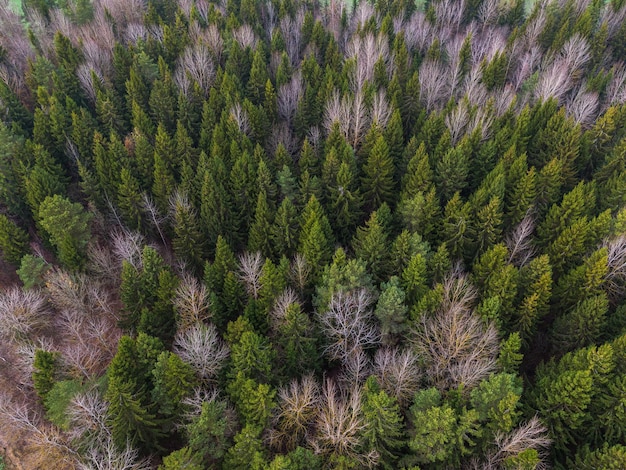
(398, 372)
(456, 345)
(298, 404)
(22, 313)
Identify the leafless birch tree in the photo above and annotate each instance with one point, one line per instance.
(201, 347)
(348, 324)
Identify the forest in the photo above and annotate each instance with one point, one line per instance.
(306, 235)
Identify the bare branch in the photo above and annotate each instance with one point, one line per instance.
(398, 372)
(245, 36)
(520, 243)
(339, 425)
(22, 312)
(201, 347)
(457, 346)
(298, 404)
(195, 65)
(250, 265)
(348, 324)
(615, 280)
(191, 302)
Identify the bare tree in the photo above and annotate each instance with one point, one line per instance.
(583, 107)
(195, 400)
(191, 302)
(381, 110)
(103, 265)
(279, 310)
(25, 358)
(348, 324)
(245, 36)
(554, 81)
(339, 425)
(201, 347)
(87, 413)
(532, 435)
(525, 67)
(362, 14)
(457, 346)
(127, 246)
(250, 265)
(46, 440)
(449, 14)
(291, 29)
(299, 272)
(473, 87)
(418, 33)
(75, 292)
(456, 121)
(520, 243)
(615, 279)
(357, 368)
(433, 85)
(298, 404)
(107, 456)
(155, 217)
(195, 65)
(398, 372)
(135, 32)
(241, 119)
(366, 52)
(22, 312)
(288, 97)
(575, 52)
(616, 89)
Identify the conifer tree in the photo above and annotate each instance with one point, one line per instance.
(13, 240)
(259, 238)
(210, 432)
(188, 242)
(391, 311)
(67, 225)
(371, 244)
(384, 428)
(378, 175)
(316, 239)
(129, 200)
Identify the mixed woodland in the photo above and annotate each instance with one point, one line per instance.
(306, 235)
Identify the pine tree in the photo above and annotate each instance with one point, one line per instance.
(371, 244)
(452, 170)
(456, 218)
(583, 325)
(164, 169)
(67, 225)
(129, 420)
(384, 427)
(173, 380)
(284, 230)
(45, 371)
(210, 433)
(129, 200)
(13, 240)
(418, 176)
(188, 242)
(315, 240)
(378, 175)
(391, 311)
(345, 201)
(259, 238)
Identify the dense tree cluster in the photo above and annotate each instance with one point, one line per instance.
(289, 234)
